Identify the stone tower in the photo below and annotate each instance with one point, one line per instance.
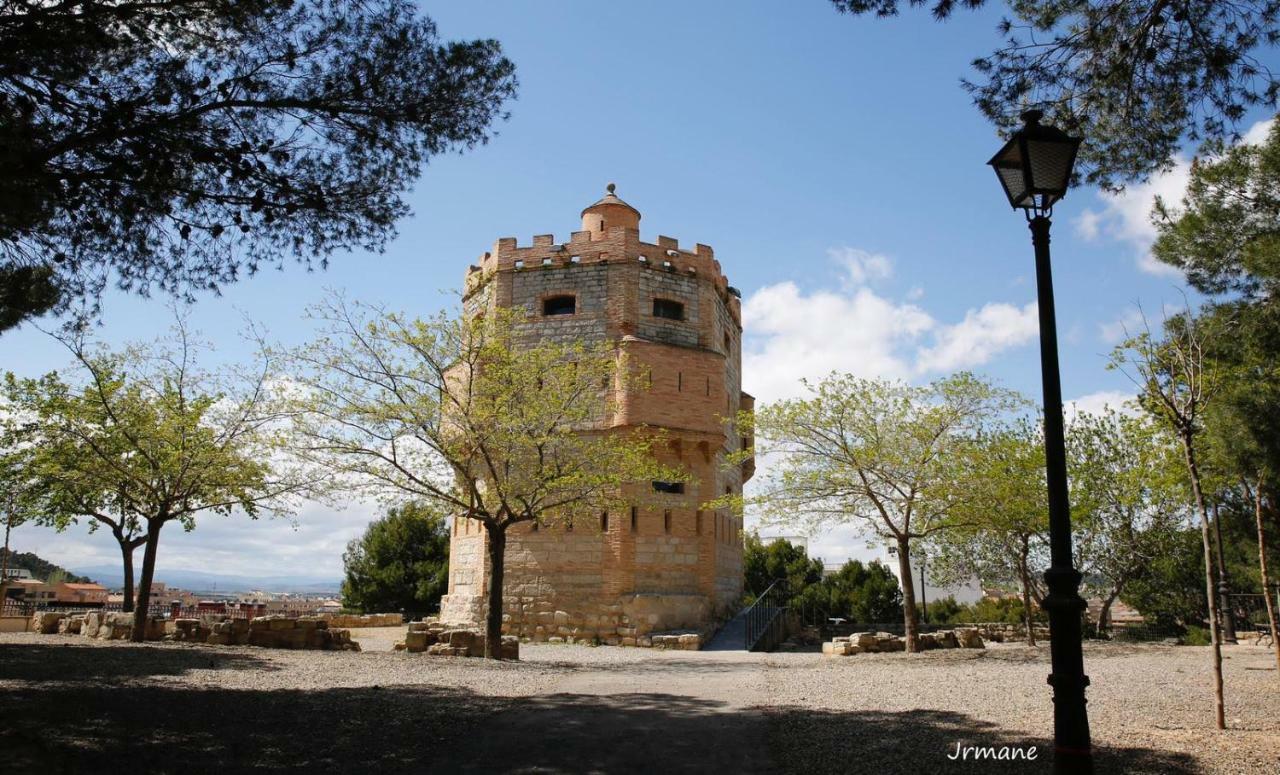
(666, 565)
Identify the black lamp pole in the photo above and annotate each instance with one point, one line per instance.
(1064, 605)
(1035, 169)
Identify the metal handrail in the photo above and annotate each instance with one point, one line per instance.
(762, 614)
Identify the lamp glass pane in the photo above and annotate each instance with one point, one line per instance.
(1014, 186)
(1050, 165)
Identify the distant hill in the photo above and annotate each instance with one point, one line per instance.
(199, 581)
(42, 569)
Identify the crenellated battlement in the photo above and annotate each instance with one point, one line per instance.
(616, 245)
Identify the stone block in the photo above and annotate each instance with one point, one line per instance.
(70, 625)
(46, 622)
(835, 649)
(115, 626)
(92, 622)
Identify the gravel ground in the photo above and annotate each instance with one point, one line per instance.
(75, 705)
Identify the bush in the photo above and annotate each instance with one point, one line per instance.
(942, 611)
(860, 593)
(1196, 636)
(1003, 610)
(401, 563)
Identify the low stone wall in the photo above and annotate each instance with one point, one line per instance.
(273, 632)
(364, 620)
(439, 639)
(15, 623)
(95, 624)
(873, 642)
(281, 632)
(999, 632)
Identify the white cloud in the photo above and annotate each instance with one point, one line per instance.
(980, 336)
(862, 267)
(309, 545)
(1126, 216)
(1095, 403)
(795, 334)
(1128, 324)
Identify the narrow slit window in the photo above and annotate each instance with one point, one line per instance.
(559, 305)
(666, 308)
(697, 522)
(635, 518)
(604, 522)
(679, 381)
(727, 342)
(666, 522)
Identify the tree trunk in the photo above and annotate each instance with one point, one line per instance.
(1266, 579)
(497, 547)
(910, 621)
(1104, 615)
(126, 555)
(1025, 575)
(1219, 707)
(144, 582)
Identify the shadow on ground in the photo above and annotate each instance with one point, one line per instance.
(71, 662)
(803, 740)
(142, 723)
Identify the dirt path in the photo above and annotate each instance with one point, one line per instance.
(662, 712)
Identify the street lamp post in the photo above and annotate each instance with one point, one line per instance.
(1034, 168)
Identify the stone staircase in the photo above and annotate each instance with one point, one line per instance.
(732, 636)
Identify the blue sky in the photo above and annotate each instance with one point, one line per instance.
(833, 162)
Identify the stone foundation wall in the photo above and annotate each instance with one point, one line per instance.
(363, 620)
(306, 632)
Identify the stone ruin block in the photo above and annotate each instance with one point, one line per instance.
(71, 625)
(46, 622)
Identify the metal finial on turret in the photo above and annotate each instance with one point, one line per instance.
(610, 187)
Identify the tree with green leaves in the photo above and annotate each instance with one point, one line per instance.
(779, 559)
(1177, 383)
(146, 434)
(401, 563)
(475, 415)
(894, 457)
(1135, 77)
(1223, 236)
(96, 499)
(863, 593)
(1128, 498)
(1000, 532)
(175, 146)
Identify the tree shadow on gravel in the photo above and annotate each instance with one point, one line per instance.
(136, 729)
(804, 740)
(69, 661)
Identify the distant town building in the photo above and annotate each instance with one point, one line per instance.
(81, 594)
(965, 594)
(29, 590)
(17, 573)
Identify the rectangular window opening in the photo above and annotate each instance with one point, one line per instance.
(559, 305)
(666, 308)
(676, 488)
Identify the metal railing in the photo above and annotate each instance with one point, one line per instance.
(766, 618)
